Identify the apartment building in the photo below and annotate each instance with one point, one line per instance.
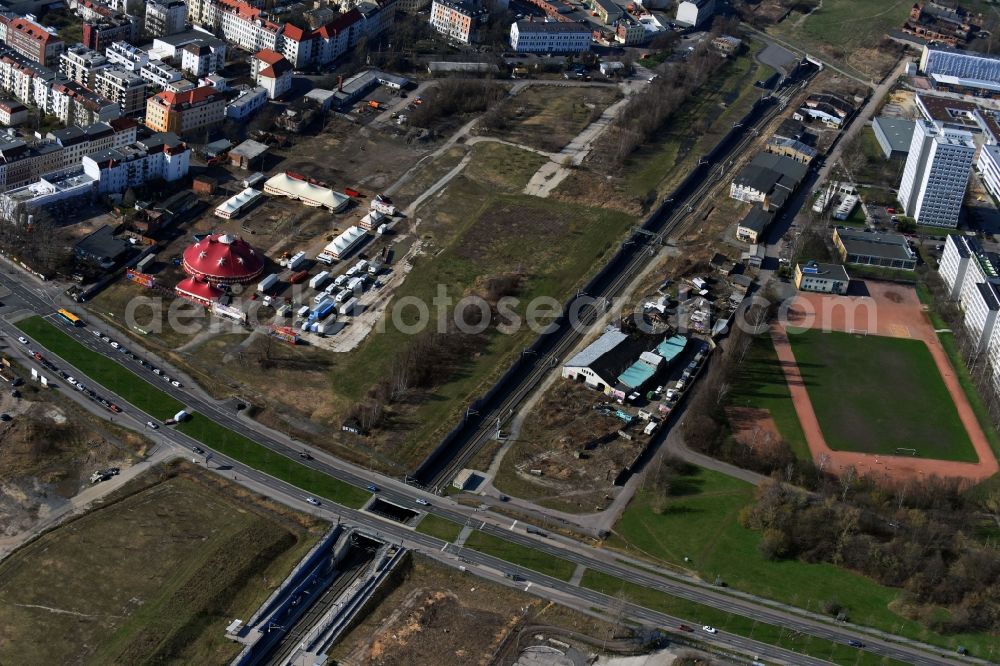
(76, 142)
(248, 27)
(203, 57)
(80, 64)
(160, 156)
(74, 104)
(12, 113)
(125, 56)
(159, 73)
(550, 37)
(325, 44)
(272, 72)
(185, 112)
(936, 174)
(247, 103)
(165, 18)
(98, 35)
(458, 20)
(32, 41)
(124, 88)
(21, 163)
(988, 166)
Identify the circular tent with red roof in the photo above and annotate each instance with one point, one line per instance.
(223, 259)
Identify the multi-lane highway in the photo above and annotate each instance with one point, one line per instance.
(24, 295)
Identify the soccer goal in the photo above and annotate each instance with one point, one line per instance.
(859, 331)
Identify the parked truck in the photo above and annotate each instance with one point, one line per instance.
(298, 277)
(347, 307)
(295, 263)
(317, 280)
(323, 310)
(267, 283)
(356, 285)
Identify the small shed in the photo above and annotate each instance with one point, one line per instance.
(248, 155)
(204, 185)
(217, 148)
(322, 98)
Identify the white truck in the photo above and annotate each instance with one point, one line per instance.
(317, 280)
(347, 307)
(295, 263)
(356, 285)
(267, 283)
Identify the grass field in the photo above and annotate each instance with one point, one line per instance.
(520, 555)
(962, 372)
(152, 400)
(848, 31)
(700, 522)
(439, 527)
(153, 578)
(760, 383)
(852, 381)
(836, 652)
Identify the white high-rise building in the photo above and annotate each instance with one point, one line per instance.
(936, 174)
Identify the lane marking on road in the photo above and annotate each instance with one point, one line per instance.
(512, 525)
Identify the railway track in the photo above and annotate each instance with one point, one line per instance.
(570, 334)
(290, 641)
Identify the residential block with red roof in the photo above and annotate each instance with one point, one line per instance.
(185, 112)
(272, 71)
(32, 41)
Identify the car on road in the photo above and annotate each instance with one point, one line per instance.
(372, 488)
(115, 344)
(305, 455)
(115, 408)
(197, 449)
(157, 371)
(313, 501)
(685, 627)
(422, 502)
(105, 338)
(80, 387)
(504, 498)
(152, 425)
(23, 340)
(855, 643)
(72, 381)
(96, 332)
(20, 382)
(710, 629)
(176, 383)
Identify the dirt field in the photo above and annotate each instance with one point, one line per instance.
(437, 615)
(888, 310)
(152, 578)
(576, 451)
(48, 451)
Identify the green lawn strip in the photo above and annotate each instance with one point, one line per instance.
(700, 614)
(962, 372)
(837, 369)
(760, 383)
(524, 556)
(700, 521)
(438, 527)
(152, 400)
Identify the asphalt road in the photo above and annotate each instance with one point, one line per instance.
(23, 296)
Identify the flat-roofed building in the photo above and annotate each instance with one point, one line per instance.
(874, 249)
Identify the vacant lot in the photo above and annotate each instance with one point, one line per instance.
(437, 615)
(698, 521)
(576, 450)
(439, 527)
(663, 162)
(548, 117)
(152, 578)
(849, 32)
(479, 228)
(850, 379)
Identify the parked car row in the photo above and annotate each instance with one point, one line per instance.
(123, 349)
(69, 379)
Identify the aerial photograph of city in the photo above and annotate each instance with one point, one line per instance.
(499, 332)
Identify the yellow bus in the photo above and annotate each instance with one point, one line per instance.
(69, 317)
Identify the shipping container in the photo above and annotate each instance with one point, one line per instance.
(323, 310)
(267, 283)
(303, 312)
(295, 263)
(317, 280)
(298, 277)
(347, 308)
